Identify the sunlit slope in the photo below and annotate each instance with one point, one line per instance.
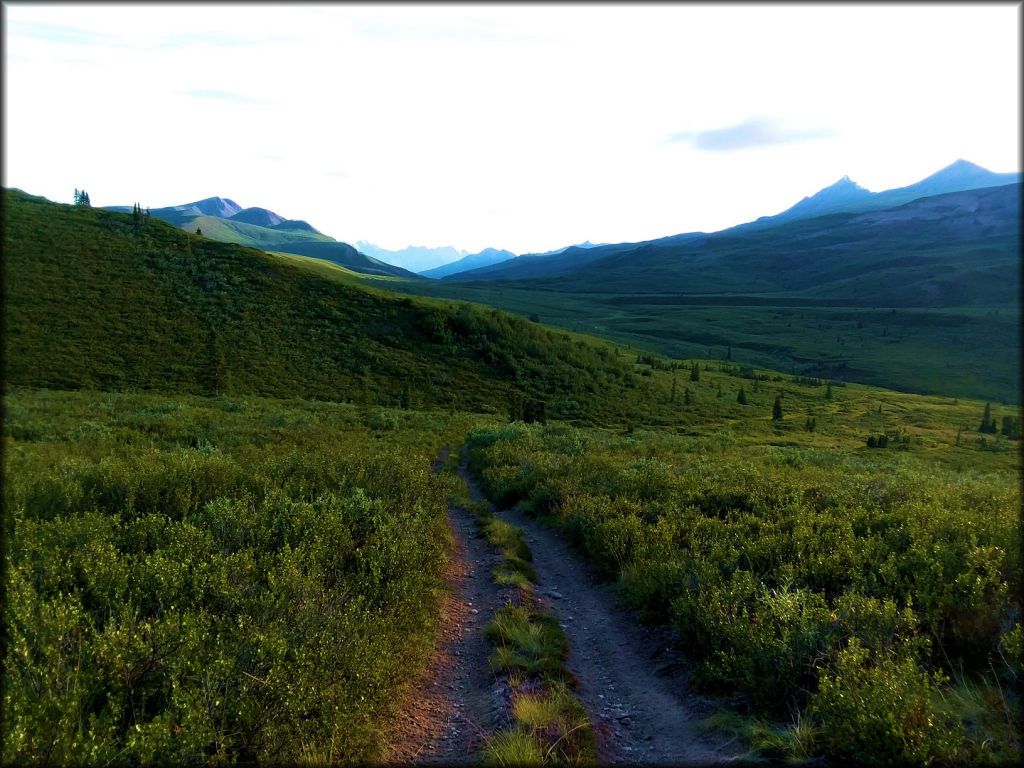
(231, 231)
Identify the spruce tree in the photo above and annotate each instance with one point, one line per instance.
(741, 398)
(695, 373)
(988, 424)
(777, 409)
(1011, 427)
(686, 396)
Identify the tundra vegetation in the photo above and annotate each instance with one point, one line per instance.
(864, 604)
(223, 541)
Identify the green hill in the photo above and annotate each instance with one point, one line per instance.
(253, 235)
(94, 302)
(223, 219)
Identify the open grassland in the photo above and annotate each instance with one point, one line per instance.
(955, 351)
(864, 602)
(213, 579)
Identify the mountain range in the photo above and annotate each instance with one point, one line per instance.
(486, 257)
(415, 258)
(844, 196)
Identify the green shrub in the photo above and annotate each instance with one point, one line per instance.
(876, 708)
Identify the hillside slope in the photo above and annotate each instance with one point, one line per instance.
(844, 196)
(90, 302)
(956, 249)
(225, 220)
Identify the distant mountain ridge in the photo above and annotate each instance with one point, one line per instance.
(486, 257)
(415, 258)
(844, 196)
(954, 249)
(223, 219)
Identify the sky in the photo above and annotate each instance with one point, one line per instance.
(526, 127)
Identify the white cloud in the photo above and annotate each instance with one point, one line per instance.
(556, 116)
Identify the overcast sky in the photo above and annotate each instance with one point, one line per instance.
(520, 126)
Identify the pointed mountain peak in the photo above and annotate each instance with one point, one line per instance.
(959, 176)
(213, 206)
(960, 169)
(845, 183)
(261, 217)
(961, 163)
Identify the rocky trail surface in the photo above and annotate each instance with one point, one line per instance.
(630, 680)
(455, 705)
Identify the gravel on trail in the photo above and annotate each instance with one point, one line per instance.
(632, 680)
(456, 704)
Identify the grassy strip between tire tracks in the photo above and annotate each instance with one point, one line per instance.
(551, 726)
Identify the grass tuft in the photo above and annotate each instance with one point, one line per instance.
(511, 748)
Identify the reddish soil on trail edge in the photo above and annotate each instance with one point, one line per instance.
(456, 704)
(631, 680)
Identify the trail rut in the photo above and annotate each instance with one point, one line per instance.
(631, 682)
(455, 704)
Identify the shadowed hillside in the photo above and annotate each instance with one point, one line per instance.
(94, 301)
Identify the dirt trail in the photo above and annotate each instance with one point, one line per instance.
(631, 683)
(455, 704)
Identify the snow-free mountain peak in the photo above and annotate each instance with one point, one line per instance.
(221, 207)
(261, 217)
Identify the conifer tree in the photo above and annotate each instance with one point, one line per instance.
(828, 391)
(777, 409)
(686, 396)
(988, 424)
(741, 398)
(695, 373)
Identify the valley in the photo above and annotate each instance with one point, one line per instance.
(251, 496)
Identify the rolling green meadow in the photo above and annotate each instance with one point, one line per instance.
(960, 351)
(223, 541)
